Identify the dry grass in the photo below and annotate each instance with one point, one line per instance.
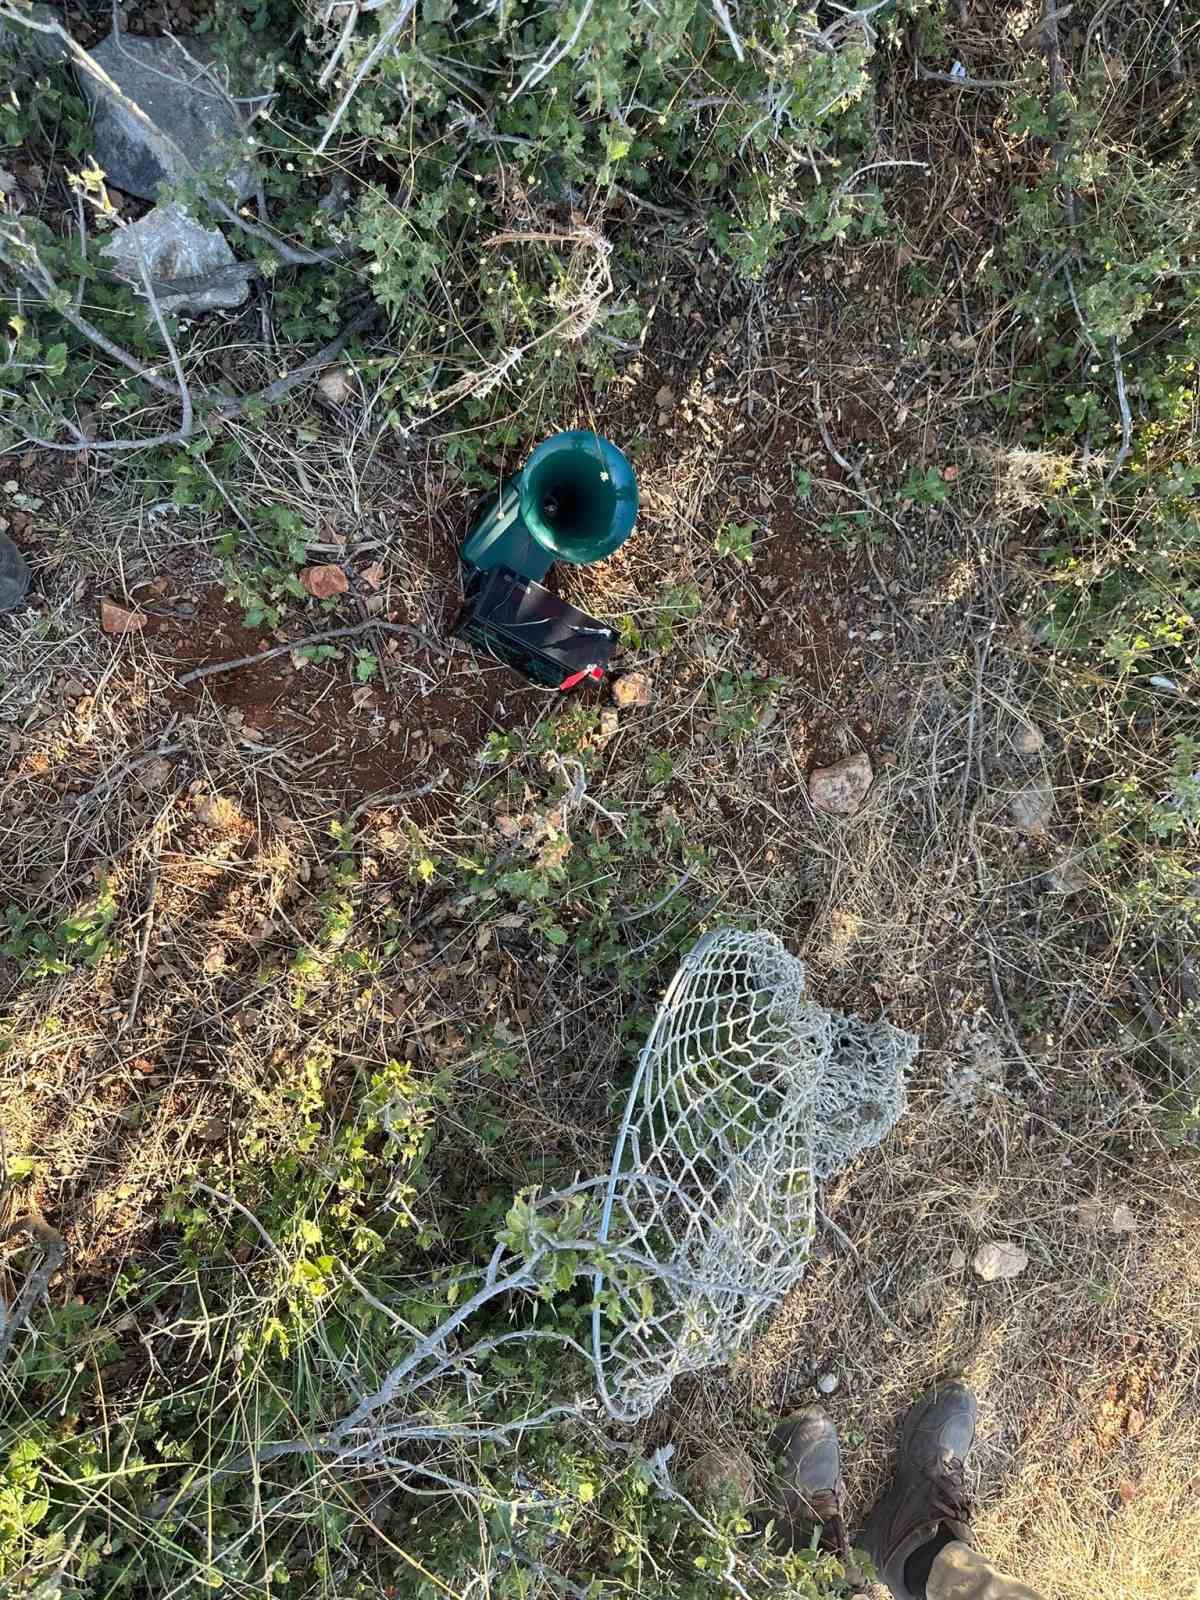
(997, 943)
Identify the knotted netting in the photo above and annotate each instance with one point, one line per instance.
(746, 1094)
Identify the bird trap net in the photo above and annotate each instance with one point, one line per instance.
(746, 1094)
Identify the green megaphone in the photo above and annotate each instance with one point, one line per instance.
(574, 500)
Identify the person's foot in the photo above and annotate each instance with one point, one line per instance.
(14, 575)
(810, 1483)
(928, 1505)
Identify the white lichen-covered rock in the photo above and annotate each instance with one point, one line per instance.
(1000, 1260)
(177, 251)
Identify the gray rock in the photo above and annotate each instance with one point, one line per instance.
(1067, 875)
(158, 76)
(1032, 809)
(177, 250)
(14, 575)
(33, 46)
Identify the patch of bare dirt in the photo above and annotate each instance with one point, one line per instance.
(425, 710)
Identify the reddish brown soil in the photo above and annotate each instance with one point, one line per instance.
(424, 711)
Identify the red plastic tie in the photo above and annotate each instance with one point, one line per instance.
(577, 677)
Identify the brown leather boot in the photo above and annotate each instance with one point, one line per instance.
(810, 1483)
(927, 1505)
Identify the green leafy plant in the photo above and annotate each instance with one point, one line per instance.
(736, 539)
(489, 298)
(740, 700)
(928, 488)
(847, 528)
(84, 937)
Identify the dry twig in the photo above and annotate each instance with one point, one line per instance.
(325, 637)
(53, 1250)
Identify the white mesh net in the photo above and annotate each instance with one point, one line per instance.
(746, 1093)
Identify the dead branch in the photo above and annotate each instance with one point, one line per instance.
(547, 62)
(19, 255)
(721, 11)
(376, 802)
(827, 439)
(143, 951)
(53, 1250)
(368, 61)
(180, 435)
(232, 407)
(961, 81)
(1126, 419)
(327, 636)
(34, 273)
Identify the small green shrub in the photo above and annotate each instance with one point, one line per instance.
(1099, 266)
(487, 177)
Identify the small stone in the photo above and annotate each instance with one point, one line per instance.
(160, 76)
(1000, 1260)
(155, 774)
(958, 1260)
(215, 811)
(610, 724)
(664, 399)
(632, 689)
(840, 790)
(723, 1475)
(1031, 809)
(827, 1383)
(116, 620)
(1067, 876)
(1027, 739)
(1122, 1220)
(14, 575)
(325, 581)
(174, 247)
(334, 386)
